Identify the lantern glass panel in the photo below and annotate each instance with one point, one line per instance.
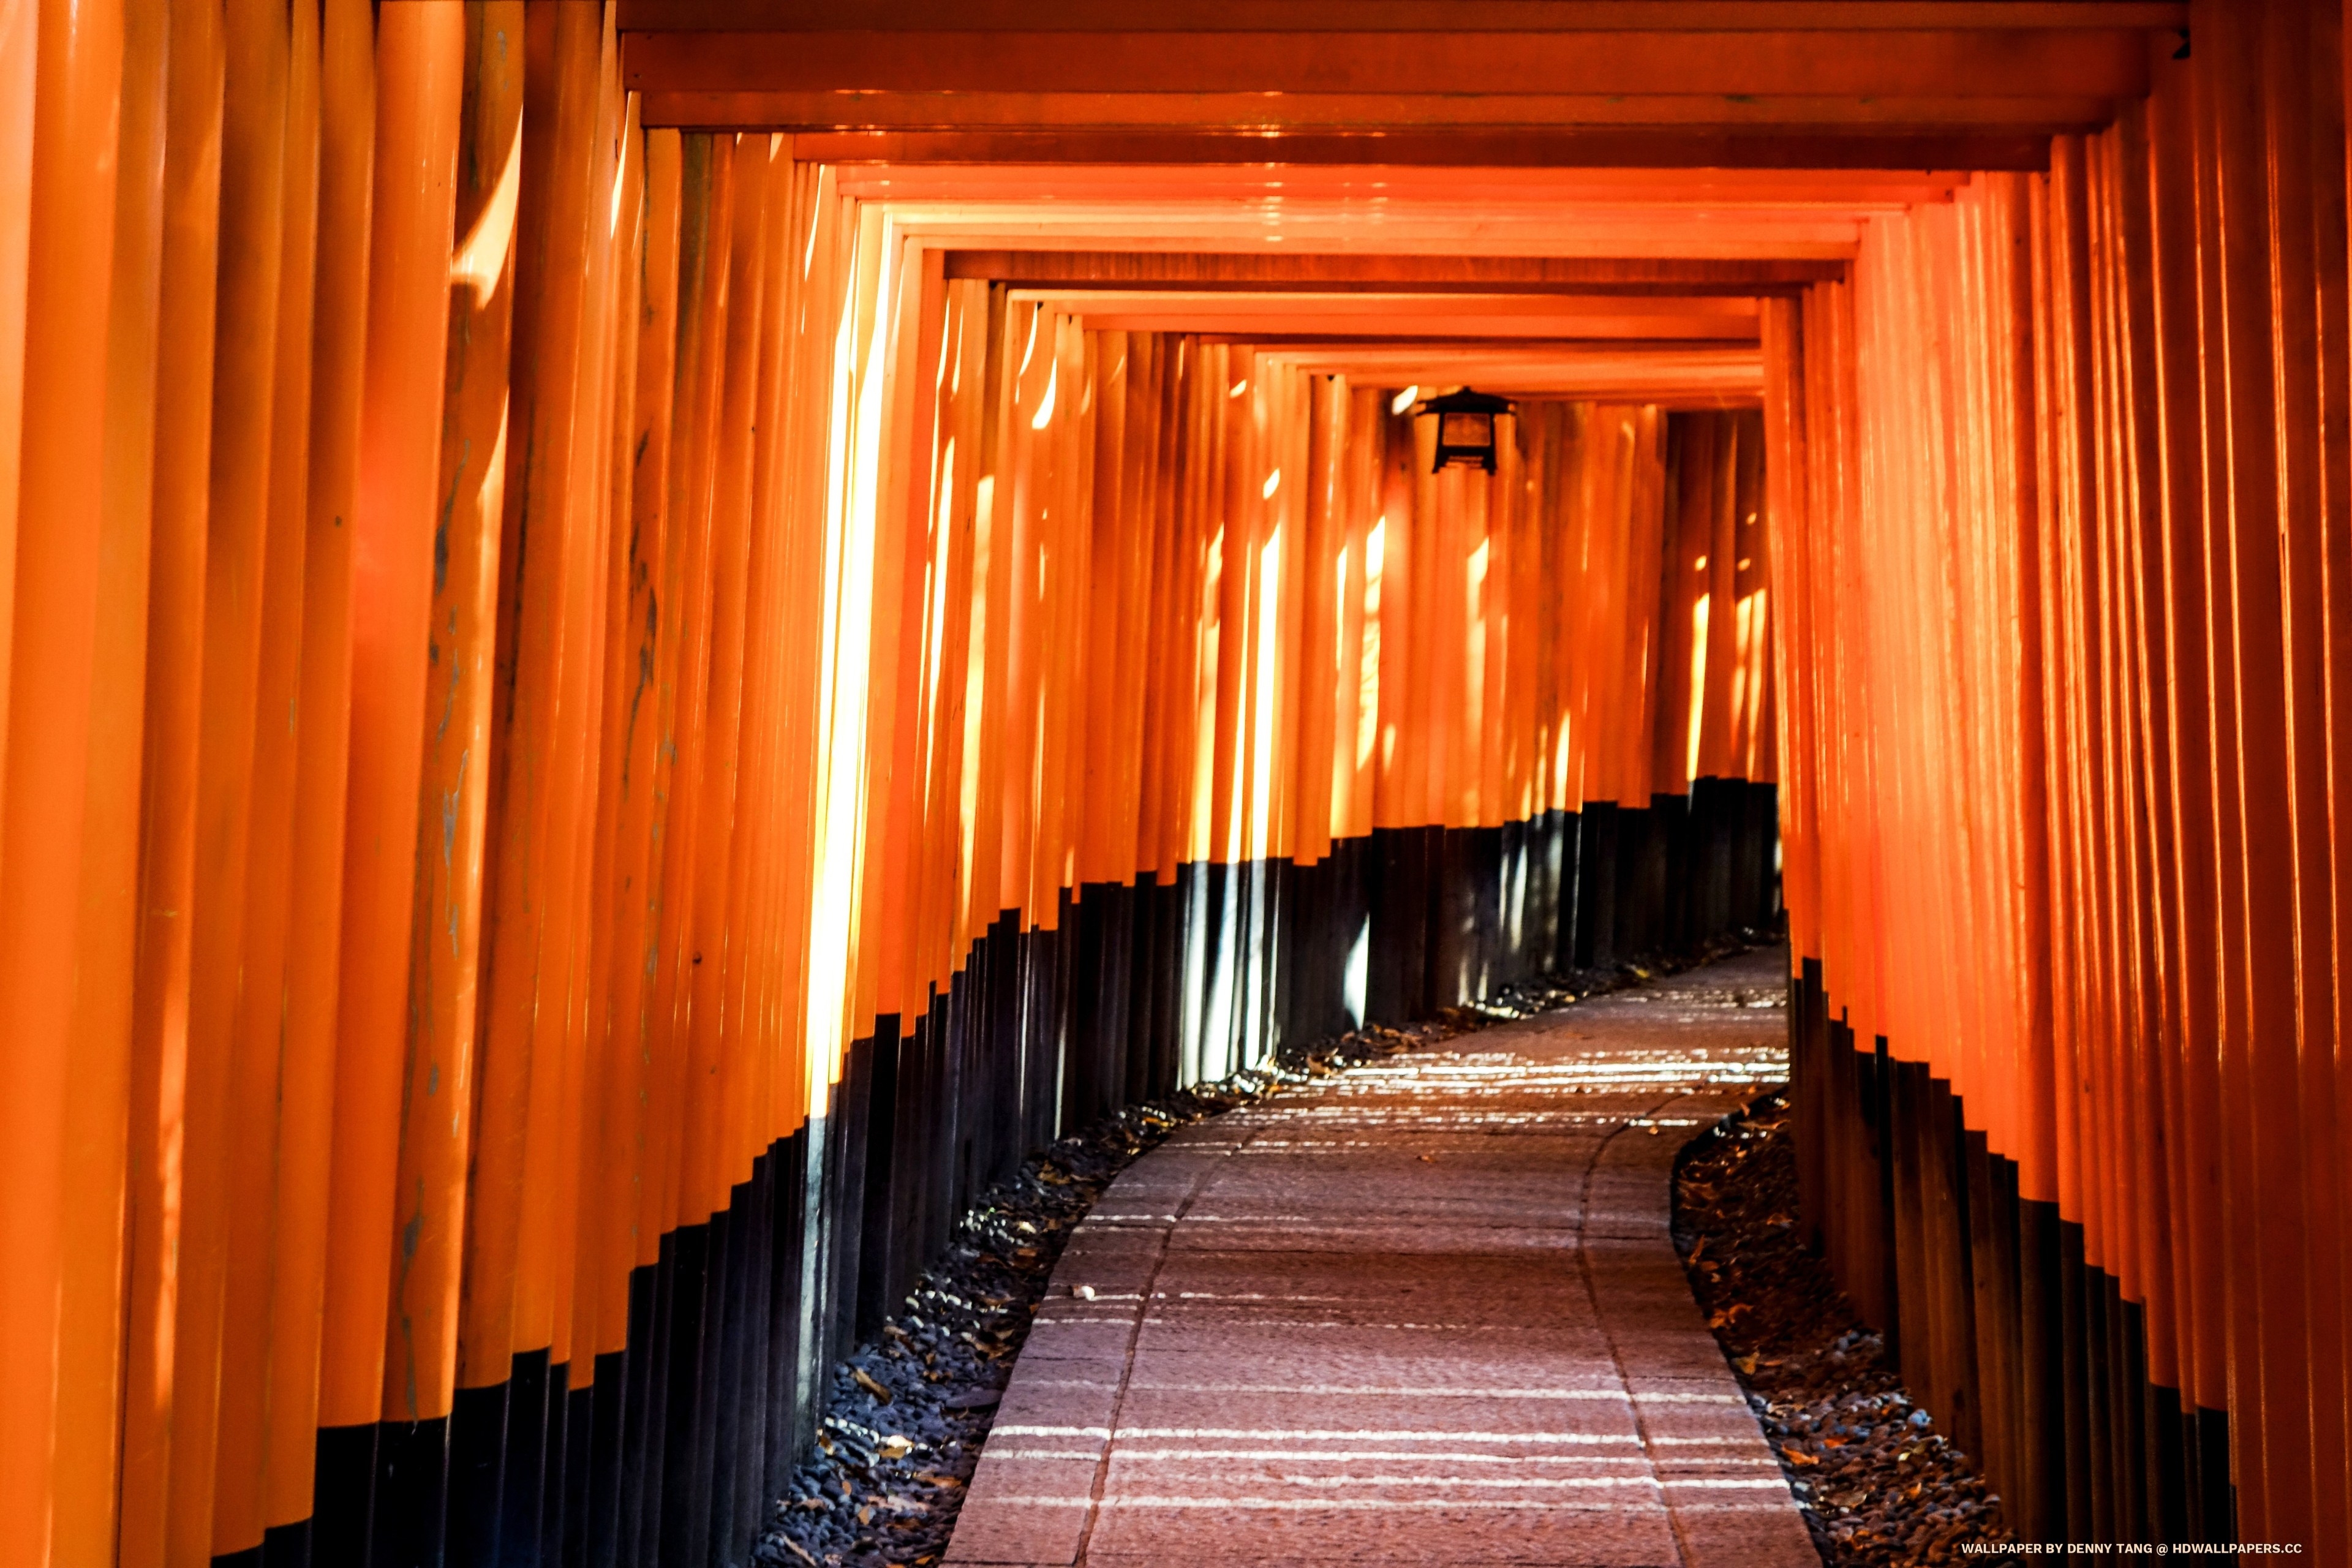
(1465, 430)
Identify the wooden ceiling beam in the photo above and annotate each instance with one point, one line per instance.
(1329, 230)
(1403, 316)
(1714, 379)
(1631, 275)
(2005, 63)
(1360, 113)
(1408, 345)
(1399, 16)
(1731, 358)
(1288, 305)
(1665, 148)
(1424, 364)
(1408, 326)
(1718, 190)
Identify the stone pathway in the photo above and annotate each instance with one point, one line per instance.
(1424, 1312)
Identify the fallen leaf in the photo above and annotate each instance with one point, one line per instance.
(1746, 1364)
(1798, 1457)
(894, 1447)
(932, 1478)
(881, 1394)
(800, 1552)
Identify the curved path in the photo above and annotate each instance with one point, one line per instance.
(1426, 1311)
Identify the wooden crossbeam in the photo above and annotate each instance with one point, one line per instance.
(1284, 305)
(1713, 377)
(1350, 338)
(1888, 190)
(1201, 271)
(1323, 228)
(1399, 16)
(1671, 147)
(1415, 313)
(1776, 84)
(1340, 113)
(2074, 62)
(1288, 304)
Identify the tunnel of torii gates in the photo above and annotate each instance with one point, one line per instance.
(643, 642)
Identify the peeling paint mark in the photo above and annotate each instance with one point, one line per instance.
(441, 533)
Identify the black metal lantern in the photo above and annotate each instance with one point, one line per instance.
(1465, 427)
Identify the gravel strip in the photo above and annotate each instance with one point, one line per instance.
(1877, 1484)
(906, 1416)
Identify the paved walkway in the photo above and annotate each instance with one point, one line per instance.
(1424, 1312)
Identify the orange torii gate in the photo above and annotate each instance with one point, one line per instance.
(642, 642)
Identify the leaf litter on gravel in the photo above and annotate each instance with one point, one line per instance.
(1877, 1484)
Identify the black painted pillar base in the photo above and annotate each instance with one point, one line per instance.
(2026, 1354)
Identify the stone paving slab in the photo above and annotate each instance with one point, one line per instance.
(1426, 1313)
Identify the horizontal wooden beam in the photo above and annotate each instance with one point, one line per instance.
(1399, 16)
(1632, 274)
(1735, 370)
(1830, 237)
(1996, 63)
(1256, 113)
(1409, 344)
(1280, 305)
(1714, 189)
(1731, 358)
(1714, 386)
(1667, 148)
(1409, 328)
(1285, 315)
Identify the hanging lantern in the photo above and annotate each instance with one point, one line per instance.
(1465, 427)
